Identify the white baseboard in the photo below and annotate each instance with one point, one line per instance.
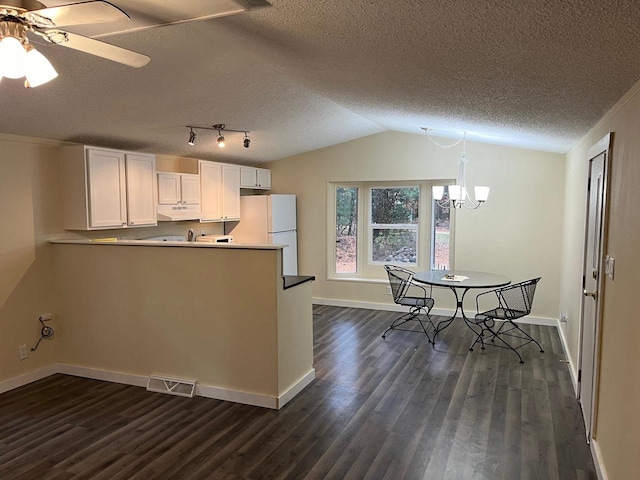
(597, 460)
(105, 375)
(236, 396)
(392, 307)
(27, 378)
(207, 391)
(296, 388)
(572, 368)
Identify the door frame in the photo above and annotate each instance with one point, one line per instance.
(603, 146)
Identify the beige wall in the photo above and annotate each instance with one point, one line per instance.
(617, 428)
(175, 311)
(518, 232)
(29, 214)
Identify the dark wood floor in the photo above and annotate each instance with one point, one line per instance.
(379, 409)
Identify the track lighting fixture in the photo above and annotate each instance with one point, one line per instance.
(221, 128)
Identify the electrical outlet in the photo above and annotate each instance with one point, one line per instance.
(22, 350)
(202, 231)
(563, 317)
(388, 290)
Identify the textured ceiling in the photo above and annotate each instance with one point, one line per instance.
(302, 75)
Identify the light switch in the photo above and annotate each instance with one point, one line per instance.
(609, 266)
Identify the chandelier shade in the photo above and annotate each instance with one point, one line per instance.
(459, 194)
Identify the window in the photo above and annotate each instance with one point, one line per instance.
(372, 224)
(346, 229)
(441, 231)
(393, 226)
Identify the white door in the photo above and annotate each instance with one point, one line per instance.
(231, 192)
(282, 213)
(107, 195)
(592, 282)
(263, 178)
(169, 188)
(141, 193)
(290, 251)
(211, 191)
(190, 189)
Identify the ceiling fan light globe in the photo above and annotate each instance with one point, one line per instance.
(38, 69)
(12, 57)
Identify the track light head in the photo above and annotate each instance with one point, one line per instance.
(247, 141)
(192, 137)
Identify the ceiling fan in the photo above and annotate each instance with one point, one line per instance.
(19, 58)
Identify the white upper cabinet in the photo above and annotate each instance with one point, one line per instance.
(178, 188)
(257, 178)
(106, 188)
(190, 186)
(141, 189)
(210, 189)
(231, 192)
(220, 190)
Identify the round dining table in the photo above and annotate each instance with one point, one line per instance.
(462, 280)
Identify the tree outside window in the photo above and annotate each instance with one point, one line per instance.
(394, 225)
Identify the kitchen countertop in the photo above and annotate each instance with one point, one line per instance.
(293, 280)
(156, 243)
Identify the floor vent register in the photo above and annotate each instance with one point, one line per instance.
(173, 386)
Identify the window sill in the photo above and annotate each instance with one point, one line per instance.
(358, 280)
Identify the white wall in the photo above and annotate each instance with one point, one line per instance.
(517, 232)
(617, 426)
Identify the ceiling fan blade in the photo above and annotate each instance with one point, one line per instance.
(96, 47)
(96, 11)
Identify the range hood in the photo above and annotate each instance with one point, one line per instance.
(170, 213)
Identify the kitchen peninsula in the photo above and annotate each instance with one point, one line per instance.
(219, 314)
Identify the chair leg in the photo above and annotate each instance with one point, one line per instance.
(531, 339)
(495, 335)
(479, 338)
(414, 314)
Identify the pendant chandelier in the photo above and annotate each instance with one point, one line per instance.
(459, 194)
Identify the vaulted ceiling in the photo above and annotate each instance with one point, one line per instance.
(302, 75)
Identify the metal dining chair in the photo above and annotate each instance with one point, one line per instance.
(401, 281)
(514, 301)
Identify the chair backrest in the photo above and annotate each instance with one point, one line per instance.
(518, 297)
(400, 280)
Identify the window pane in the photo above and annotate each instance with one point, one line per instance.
(346, 229)
(397, 205)
(441, 234)
(394, 245)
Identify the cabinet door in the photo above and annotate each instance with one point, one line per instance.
(190, 186)
(211, 191)
(248, 177)
(231, 192)
(168, 188)
(107, 191)
(263, 178)
(141, 194)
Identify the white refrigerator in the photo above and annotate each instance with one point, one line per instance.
(270, 219)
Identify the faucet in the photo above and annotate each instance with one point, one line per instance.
(190, 235)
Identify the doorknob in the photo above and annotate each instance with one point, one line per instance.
(593, 294)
